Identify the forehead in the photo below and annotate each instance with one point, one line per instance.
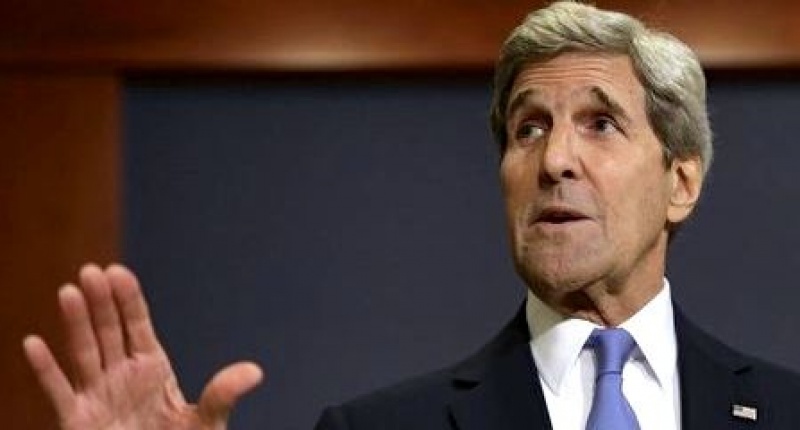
(572, 75)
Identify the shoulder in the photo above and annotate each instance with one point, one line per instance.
(776, 383)
(713, 374)
(423, 402)
(695, 341)
(774, 390)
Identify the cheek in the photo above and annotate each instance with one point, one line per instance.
(639, 209)
(517, 181)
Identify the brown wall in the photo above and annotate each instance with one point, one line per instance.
(61, 65)
(351, 34)
(58, 206)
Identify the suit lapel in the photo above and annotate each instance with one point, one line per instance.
(713, 378)
(500, 388)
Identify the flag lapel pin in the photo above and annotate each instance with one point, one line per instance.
(745, 412)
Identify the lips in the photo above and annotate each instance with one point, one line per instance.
(559, 215)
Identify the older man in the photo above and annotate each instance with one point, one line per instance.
(605, 142)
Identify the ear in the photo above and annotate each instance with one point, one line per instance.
(686, 181)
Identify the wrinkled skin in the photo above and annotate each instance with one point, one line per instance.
(589, 197)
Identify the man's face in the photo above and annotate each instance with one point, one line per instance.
(588, 195)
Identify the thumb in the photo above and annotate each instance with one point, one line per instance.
(224, 389)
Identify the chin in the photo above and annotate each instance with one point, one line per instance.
(551, 276)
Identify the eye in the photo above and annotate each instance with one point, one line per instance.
(528, 131)
(603, 124)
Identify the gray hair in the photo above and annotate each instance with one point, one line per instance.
(673, 81)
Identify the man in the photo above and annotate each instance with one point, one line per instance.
(605, 143)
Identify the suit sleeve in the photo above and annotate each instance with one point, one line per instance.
(333, 418)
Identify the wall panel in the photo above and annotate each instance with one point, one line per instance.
(352, 34)
(58, 207)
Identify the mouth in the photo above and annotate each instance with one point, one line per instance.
(559, 215)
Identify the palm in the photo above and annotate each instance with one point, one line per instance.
(124, 379)
(139, 385)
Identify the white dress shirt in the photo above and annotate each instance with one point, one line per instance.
(567, 368)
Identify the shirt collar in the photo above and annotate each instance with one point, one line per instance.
(653, 328)
(557, 341)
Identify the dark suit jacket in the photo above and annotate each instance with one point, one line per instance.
(498, 389)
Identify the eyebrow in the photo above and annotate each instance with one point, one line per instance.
(521, 99)
(609, 103)
(528, 96)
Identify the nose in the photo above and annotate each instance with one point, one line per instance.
(559, 160)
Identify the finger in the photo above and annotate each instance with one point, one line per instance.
(133, 310)
(50, 376)
(224, 389)
(103, 310)
(82, 342)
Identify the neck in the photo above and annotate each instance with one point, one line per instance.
(603, 306)
(613, 299)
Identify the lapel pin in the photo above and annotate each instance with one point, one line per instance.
(746, 412)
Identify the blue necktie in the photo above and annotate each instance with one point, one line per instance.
(610, 410)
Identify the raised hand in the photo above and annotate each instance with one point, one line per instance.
(122, 376)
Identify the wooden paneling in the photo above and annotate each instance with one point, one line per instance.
(58, 207)
(352, 34)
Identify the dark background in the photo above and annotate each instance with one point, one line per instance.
(346, 233)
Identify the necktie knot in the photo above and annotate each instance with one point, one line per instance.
(612, 347)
